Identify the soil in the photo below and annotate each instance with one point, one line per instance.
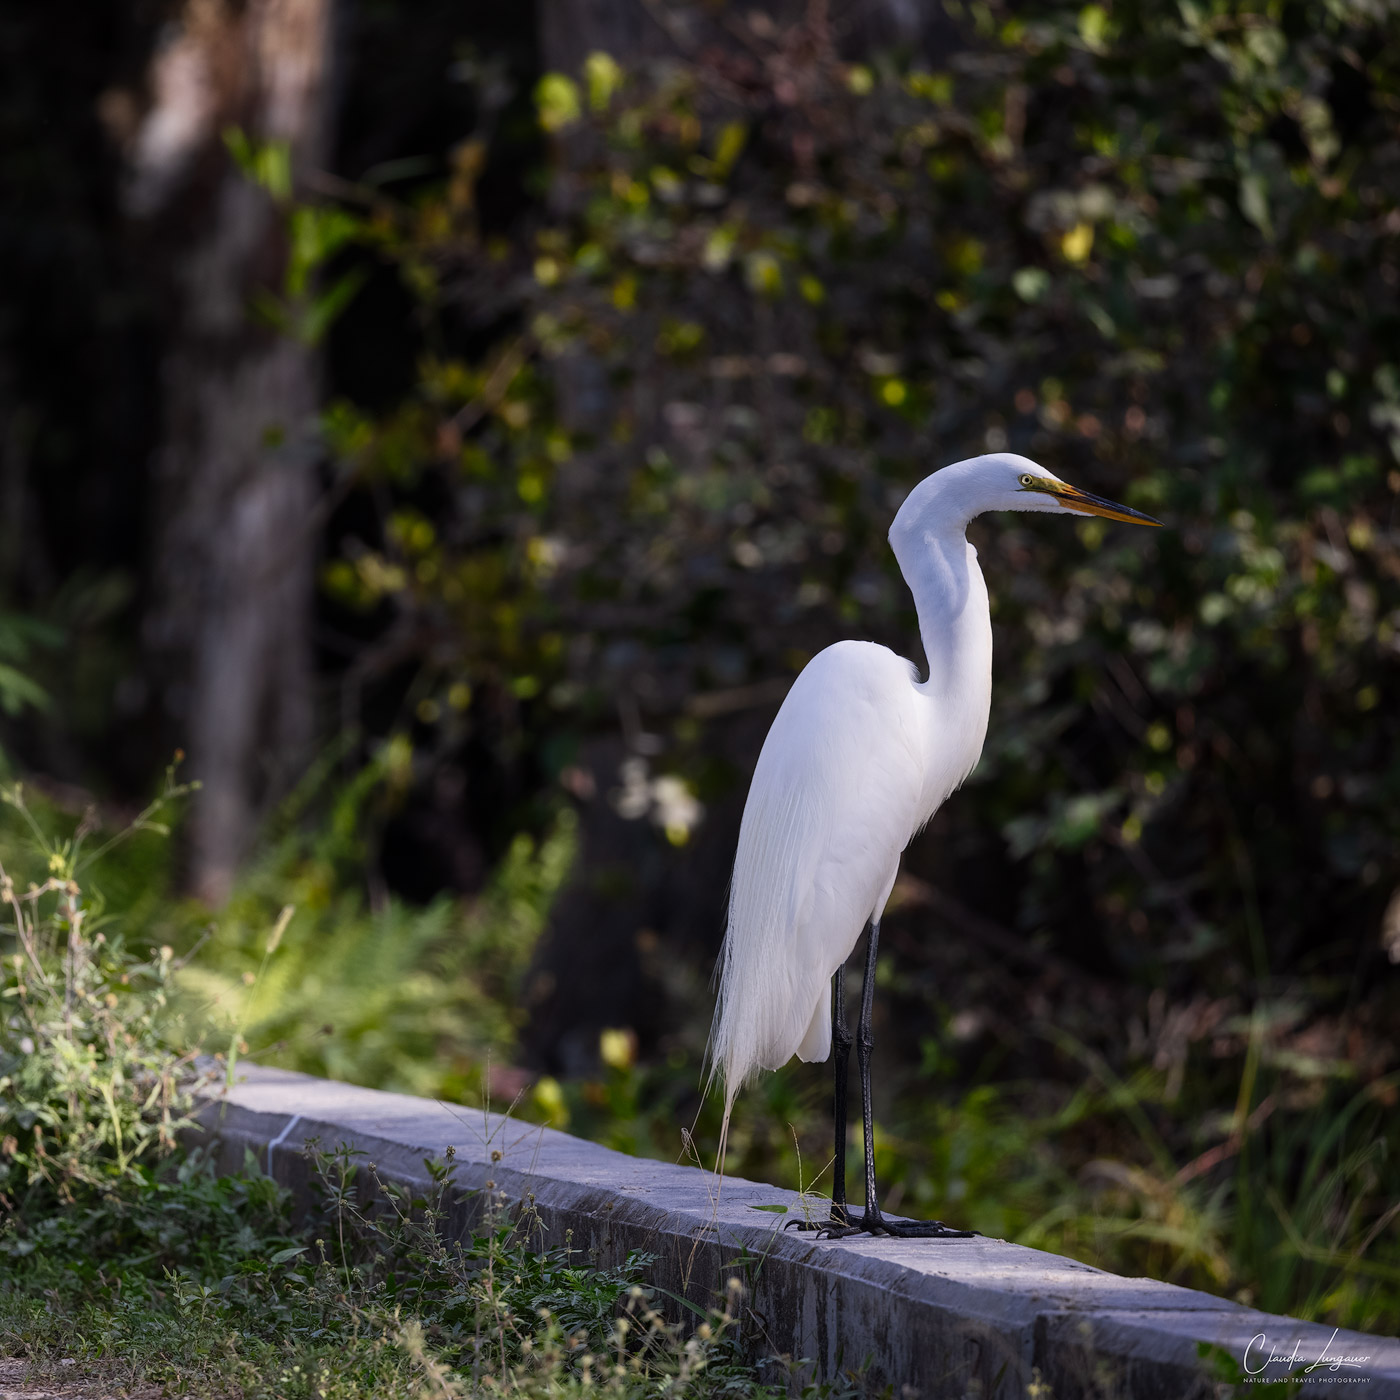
(72, 1382)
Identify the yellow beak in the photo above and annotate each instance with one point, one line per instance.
(1081, 501)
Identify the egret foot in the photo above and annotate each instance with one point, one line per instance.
(873, 1223)
(838, 1220)
(924, 1230)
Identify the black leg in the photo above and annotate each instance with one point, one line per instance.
(841, 1056)
(841, 1050)
(865, 1034)
(873, 1222)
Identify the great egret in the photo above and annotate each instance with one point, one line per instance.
(861, 755)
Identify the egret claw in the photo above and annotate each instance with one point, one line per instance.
(819, 1226)
(876, 1224)
(925, 1230)
(832, 1231)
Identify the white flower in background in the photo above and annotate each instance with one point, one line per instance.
(675, 808)
(666, 800)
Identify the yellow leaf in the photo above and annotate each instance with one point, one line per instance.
(556, 99)
(604, 77)
(618, 1048)
(624, 293)
(1078, 243)
(549, 1099)
(731, 141)
(1093, 27)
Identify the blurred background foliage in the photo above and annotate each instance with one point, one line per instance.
(629, 351)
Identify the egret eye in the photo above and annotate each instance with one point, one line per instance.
(1027, 480)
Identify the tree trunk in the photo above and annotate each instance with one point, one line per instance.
(230, 622)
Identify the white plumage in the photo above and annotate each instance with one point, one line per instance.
(861, 755)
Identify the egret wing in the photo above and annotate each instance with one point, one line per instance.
(836, 795)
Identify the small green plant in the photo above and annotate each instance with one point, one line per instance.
(19, 637)
(504, 1312)
(90, 1091)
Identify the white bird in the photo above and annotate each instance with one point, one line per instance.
(861, 755)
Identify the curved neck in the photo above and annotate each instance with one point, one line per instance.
(950, 596)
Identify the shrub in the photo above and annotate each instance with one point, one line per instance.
(417, 999)
(91, 1094)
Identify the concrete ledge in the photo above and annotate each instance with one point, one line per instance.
(950, 1318)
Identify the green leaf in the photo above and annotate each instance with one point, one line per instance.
(322, 313)
(1094, 27)
(731, 143)
(773, 1210)
(557, 101)
(17, 691)
(604, 76)
(316, 234)
(1254, 202)
(269, 165)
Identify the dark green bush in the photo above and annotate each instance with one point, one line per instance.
(1157, 249)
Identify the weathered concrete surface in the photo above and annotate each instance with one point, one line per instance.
(951, 1318)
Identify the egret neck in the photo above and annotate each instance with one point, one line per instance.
(950, 596)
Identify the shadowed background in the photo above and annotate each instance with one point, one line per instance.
(453, 432)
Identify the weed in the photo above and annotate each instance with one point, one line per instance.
(89, 1091)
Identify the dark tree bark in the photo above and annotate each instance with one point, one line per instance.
(230, 625)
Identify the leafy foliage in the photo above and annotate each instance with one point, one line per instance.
(414, 999)
(19, 636)
(1151, 249)
(123, 1253)
(1157, 250)
(1251, 1176)
(90, 1091)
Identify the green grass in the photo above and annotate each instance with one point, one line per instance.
(202, 1285)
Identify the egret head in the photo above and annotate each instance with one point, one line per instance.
(999, 481)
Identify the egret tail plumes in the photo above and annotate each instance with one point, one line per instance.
(825, 820)
(761, 994)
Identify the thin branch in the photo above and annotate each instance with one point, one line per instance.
(494, 389)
